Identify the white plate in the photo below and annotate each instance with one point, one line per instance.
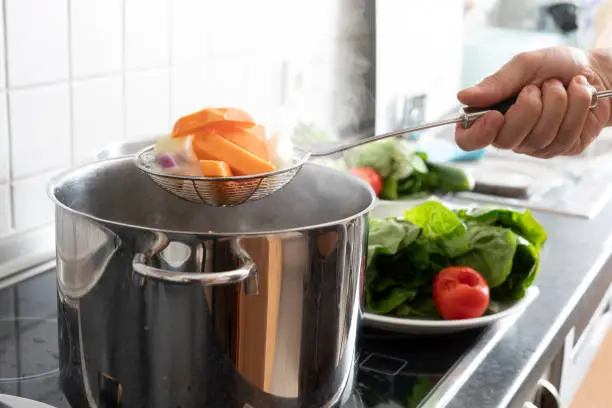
(18, 402)
(396, 208)
(428, 326)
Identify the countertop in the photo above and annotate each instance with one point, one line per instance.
(503, 368)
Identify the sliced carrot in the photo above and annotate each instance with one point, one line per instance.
(242, 162)
(213, 168)
(248, 136)
(247, 140)
(197, 120)
(237, 115)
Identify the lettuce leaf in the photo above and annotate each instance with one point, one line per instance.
(389, 236)
(522, 223)
(525, 266)
(386, 301)
(441, 225)
(491, 254)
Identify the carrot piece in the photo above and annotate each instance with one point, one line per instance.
(242, 162)
(248, 141)
(197, 120)
(213, 168)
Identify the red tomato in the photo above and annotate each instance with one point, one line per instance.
(370, 176)
(459, 292)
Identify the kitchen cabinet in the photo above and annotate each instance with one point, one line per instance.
(595, 390)
(587, 373)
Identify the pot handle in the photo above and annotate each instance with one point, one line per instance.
(207, 279)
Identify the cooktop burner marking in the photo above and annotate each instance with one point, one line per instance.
(383, 364)
(26, 330)
(28, 377)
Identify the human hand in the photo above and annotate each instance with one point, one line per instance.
(551, 116)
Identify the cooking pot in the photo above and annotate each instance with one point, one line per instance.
(165, 303)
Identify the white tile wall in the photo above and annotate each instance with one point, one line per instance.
(190, 89)
(147, 33)
(31, 206)
(96, 37)
(147, 103)
(40, 129)
(189, 35)
(2, 53)
(5, 209)
(4, 140)
(97, 115)
(228, 80)
(77, 75)
(37, 41)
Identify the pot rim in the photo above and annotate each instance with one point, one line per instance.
(55, 181)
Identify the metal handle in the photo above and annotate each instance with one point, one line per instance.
(466, 119)
(550, 396)
(207, 279)
(471, 114)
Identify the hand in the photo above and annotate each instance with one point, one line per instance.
(551, 116)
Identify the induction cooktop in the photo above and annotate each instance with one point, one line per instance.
(395, 370)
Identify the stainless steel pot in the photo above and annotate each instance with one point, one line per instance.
(123, 149)
(164, 303)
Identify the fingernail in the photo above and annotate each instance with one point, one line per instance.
(531, 90)
(490, 123)
(581, 80)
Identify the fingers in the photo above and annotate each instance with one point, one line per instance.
(554, 106)
(520, 118)
(544, 123)
(508, 132)
(481, 134)
(506, 82)
(571, 129)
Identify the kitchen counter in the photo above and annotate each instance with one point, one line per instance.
(504, 366)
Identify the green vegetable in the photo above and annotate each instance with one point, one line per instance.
(390, 189)
(440, 177)
(420, 307)
(522, 223)
(404, 255)
(525, 266)
(391, 158)
(491, 254)
(390, 236)
(406, 172)
(421, 388)
(441, 225)
(387, 300)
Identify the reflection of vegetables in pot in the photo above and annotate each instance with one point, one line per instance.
(405, 254)
(406, 172)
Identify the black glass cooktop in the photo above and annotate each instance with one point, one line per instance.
(394, 370)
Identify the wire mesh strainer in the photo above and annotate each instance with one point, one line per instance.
(231, 191)
(220, 191)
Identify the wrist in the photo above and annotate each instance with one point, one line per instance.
(602, 62)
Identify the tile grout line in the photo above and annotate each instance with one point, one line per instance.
(44, 172)
(11, 223)
(70, 87)
(124, 135)
(169, 64)
(86, 78)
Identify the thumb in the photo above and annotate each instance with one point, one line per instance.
(506, 82)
